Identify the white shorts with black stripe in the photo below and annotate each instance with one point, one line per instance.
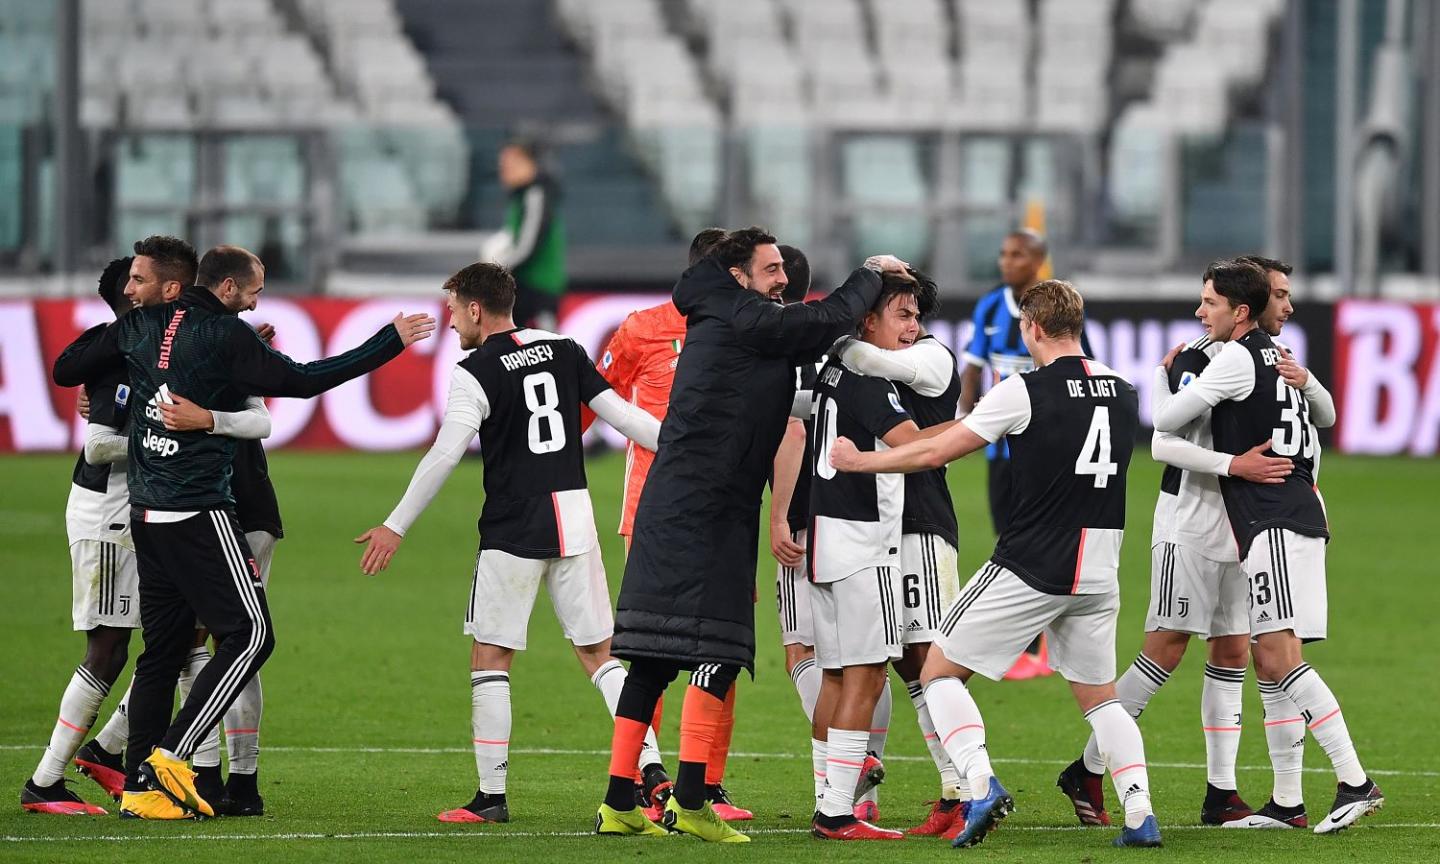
(857, 619)
(1189, 593)
(930, 583)
(1287, 584)
(792, 600)
(997, 615)
(502, 595)
(104, 586)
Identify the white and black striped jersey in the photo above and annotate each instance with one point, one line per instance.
(528, 389)
(855, 519)
(928, 507)
(99, 504)
(1190, 510)
(1071, 427)
(1252, 405)
(799, 513)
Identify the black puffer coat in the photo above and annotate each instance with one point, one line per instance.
(689, 587)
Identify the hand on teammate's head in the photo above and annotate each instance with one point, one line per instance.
(886, 264)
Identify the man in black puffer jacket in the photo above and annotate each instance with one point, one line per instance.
(687, 600)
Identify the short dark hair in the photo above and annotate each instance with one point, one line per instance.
(1240, 283)
(738, 247)
(226, 262)
(112, 283)
(1269, 265)
(1034, 239)
(490, 285)
(174, 258)
(912, 283)
(704, 243)
(527, 144)
(797, 274)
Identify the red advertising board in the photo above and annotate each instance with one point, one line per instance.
(1381, 368)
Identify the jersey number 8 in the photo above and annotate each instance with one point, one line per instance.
(1094, 458)
(547, 428)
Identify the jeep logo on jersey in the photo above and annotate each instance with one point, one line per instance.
(159, 443)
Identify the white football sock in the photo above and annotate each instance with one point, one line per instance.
(609, 679)
(78, 707)
(1285, 736)
(490, 728)
(879, 733)
(806, 678)
(113, 734)
(819, 755)
(1135, 688)
(242, 728)
(845, 756)
(1322, 714)
(207, 755)
(1120, 741)
(1220, 701)
(952, 787)
(961, 730)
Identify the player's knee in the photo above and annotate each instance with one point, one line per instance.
(1230, 653)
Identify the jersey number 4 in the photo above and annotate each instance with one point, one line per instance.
(1094, 458)
(546, 431)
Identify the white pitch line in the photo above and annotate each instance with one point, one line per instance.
(1010, 827)
(553, 751)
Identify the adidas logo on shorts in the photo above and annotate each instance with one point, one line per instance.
(1264, 618)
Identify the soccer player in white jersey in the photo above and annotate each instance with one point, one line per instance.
(1197, 588)
(1281, 529)
(925, 375)
(521, 391)
(1070, 425)
(853, 560)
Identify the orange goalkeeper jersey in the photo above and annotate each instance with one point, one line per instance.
(639, 362)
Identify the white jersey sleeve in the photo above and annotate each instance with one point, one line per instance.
(634, 423)
(465, 409)
(1230, 375)
(1005, 410)
(926, 367)
(251, 423)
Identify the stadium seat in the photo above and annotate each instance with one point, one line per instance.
(911, 28)
(878, 173)
(1139, 150)
(1161, 19)
(778, 166)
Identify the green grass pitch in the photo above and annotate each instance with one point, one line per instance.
(367, 724)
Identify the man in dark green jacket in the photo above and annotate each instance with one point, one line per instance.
(532, 243)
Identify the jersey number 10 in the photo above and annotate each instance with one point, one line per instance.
(546, 431)
(1094, 458)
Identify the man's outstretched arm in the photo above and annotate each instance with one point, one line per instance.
(260, 370)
